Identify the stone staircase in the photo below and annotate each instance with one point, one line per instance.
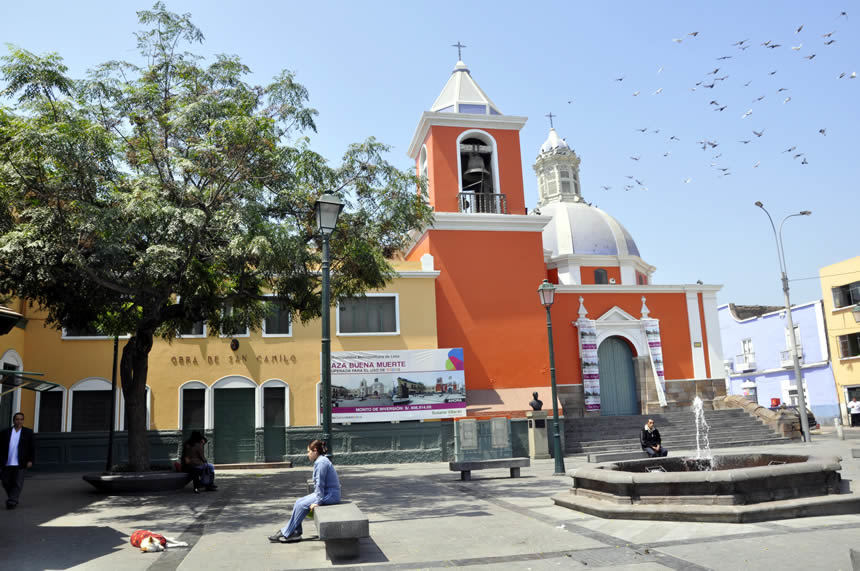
(617, 434)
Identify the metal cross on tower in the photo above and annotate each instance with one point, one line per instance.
(550, 115)
(459, 47)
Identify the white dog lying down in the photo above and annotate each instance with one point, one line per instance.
(151, 542)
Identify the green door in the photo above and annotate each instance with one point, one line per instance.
(274, 424)
(617, 378)
(234, 425)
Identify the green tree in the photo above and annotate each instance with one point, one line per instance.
(144, 198)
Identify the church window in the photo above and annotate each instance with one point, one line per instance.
(600, 276)
(90, 405)
(565, 187)
(193, 407)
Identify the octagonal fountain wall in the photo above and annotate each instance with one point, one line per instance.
(727, 488)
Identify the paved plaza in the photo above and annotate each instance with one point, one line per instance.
(421, 517)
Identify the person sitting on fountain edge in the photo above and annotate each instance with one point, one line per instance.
(650, 440)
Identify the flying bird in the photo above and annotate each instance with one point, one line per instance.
(747, 114)
(721, 108)
(797, 31)
(713, 102)
(790, 149)
(772, 72)
(798, 155)
(660, 69)
(755, 166)
(694, 34)
(853, 75)
(630, 176)
(804, 161)
(674, 138)
(619, 78)
(843, 13)
(639, 182)
(767, 43)
(635, 157)
(709, 85)
(759, 98)
(787, 99)
(713, 72)
(635, 93)
(570, 101)
(659, 91)
(605, 187)
(823, 132)
(795, 48)
(667, 153)
(841, 75)
(642, 130)
(758, 133)
(724, 57)
(781, 89)
(772, 46)
(741, 42)
(677, 40)
(747, 84)
(828, 42)
(745, 141)
(688, 180)
(827, 35)
(723, 78)
(809, 57)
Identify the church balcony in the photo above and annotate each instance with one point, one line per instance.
(482, 202)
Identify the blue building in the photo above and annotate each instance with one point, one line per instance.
(758, 360)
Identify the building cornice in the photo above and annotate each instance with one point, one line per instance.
(600, 260)
(430, 119)
(419, 274)
(643, 289)
(489, 222)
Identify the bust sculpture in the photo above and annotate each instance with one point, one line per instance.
(536, 403)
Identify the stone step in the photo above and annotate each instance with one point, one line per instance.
(680, 444)
(763, 431)
(634, 434)
(639, 454)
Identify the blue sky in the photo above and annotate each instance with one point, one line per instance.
(372, 68)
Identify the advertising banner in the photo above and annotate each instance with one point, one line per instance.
(655, 349)
(379, 386)
(590, 370)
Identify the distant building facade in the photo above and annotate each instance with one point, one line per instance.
(840, 290)
(757, 347)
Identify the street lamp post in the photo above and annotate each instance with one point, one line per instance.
(546, 291)
(327, 209)
(801, 393)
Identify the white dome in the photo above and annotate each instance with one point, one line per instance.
(553, 143)
(579, 229)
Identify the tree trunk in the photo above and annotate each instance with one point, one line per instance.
(133, 371)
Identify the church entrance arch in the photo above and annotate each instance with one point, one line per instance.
(617, 378)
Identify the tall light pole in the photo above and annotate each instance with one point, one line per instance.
(327, 209)
(801, 393)
(546, 291)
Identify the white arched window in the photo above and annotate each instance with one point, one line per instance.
(10, 403)
(89, 405)
(192, 406)
(50, 410)
(274, 403)
(478, 170)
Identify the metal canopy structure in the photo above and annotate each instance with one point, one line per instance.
(8, 319)
(25, 380)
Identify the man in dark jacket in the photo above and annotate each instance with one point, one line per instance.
(650, 440)
(17, 453)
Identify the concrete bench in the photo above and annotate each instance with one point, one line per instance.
(340, 526)
(465, 467)
(855, 452)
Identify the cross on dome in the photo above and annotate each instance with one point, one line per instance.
(550, 115)
(459, 47)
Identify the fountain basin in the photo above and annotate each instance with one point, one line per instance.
(730, 488)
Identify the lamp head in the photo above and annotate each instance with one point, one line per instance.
(759, 204)
(327, 209)
(805, 212)
(546, 291)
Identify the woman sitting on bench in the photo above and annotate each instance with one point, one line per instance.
(194, 462)
(326, 491)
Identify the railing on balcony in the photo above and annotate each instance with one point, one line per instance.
(786, 360)
(483, 202)
(745, 362)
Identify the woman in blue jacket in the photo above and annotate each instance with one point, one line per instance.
(326, 491)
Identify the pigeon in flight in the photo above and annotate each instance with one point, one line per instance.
(853, 75)
(772, 72)
(630, 176)
(797, 31)
(790, 149)
(755, 166)
(709, 85)
(713, 72)
(747, 84)
(823, 132)
(758, 133)
(713, 102)
(723, 78)
(677, 40)
(773, 46)
(635, 93)
(804, 161)
(841, 75)
(694, 34)
(795, 48)
(741, 42)
(798, 155)
(759, 98)
(781, 89)
(809, 57)
(724, 57)
(787, 99)
(827, 35)
(843, 13)
(745, 141)
(688, 180)
(723, 108)
(747, 114)
(635, 157)
(667, 153)
(605, 187)
(642, 130)
(674, 138)
(619, 78)
(828, 42)
(660, 90)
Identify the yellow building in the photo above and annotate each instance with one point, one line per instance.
(840, 290)
(273, 372)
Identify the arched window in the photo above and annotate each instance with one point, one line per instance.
(479, 176)
(192, 407)
(10, 403)
(50, 406)
(89, 405)
(600, 276)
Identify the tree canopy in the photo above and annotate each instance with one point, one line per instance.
(146, 197)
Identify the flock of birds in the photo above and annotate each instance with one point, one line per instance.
(712, 80)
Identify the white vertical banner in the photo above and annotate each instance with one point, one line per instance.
(590, 368)
(655, 351)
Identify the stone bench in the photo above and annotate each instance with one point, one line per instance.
(340, 526)
(855, 452)
(465, 467)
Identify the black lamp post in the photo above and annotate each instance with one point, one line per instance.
(801, 393)
(546, 291)
(327, 209)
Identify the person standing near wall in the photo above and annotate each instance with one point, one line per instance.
(854, 410)
(17, 451)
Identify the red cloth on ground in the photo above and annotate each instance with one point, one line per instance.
(138, 536)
